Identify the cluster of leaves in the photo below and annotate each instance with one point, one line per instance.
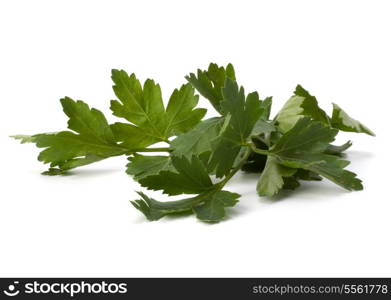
(202, 155)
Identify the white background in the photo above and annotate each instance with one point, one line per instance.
(83, 225)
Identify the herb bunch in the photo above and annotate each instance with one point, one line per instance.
(201, 156)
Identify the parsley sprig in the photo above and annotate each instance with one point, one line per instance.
(201, 156)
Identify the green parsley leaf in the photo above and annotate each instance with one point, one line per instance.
(303, 146)
(209, 83)
(141, 166)
(292, 182)
(199, 140)
(342, 121)
(144, 108)
(208, 207)
(189, 177)
(213, 210)
(266, 108)
(300, 105)
(272, 178)
(338, 150)
(91, 140)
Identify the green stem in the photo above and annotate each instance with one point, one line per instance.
(162, 149)
(259, 151)
(130, 152)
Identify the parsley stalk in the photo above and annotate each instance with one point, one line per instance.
(161, 149)
(257, 150)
